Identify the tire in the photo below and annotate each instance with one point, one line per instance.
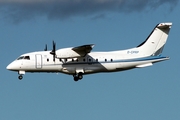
(20, 77)
(76, 78)
(80, 77)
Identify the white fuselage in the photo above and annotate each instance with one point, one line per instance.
(80, 60)
(92, 63)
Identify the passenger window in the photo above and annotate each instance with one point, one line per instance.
(111, 60)
(96, 60)
(48, 60)
(105, 60)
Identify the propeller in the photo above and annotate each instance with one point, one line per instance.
(53, 52)
(45, 49)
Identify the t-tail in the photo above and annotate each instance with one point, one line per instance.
(154, 44)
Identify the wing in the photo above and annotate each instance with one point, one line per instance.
(84, 49)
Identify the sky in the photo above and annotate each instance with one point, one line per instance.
(150, 93)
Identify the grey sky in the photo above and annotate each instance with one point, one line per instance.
(19, 10)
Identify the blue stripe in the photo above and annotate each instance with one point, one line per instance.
(143, 59)
(116, 61)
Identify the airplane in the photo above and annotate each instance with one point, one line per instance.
(80, 60)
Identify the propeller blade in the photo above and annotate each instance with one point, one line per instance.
(54, 46)
(54, 49)
(53, 52)
(45, 49)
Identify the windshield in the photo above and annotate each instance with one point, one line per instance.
(20, 58)
(23, 57)
(27, 57)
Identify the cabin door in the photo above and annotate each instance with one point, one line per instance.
(38, 61)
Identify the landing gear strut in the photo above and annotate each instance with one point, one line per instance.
(78, 76)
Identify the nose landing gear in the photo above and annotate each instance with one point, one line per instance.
(21, 73)
(20, 77)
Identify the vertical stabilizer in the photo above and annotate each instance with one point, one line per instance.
(153, 45)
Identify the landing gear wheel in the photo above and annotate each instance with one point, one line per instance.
(80, 77)
(76, 78)
(20, 77)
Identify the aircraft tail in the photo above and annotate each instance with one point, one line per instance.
(153, 45)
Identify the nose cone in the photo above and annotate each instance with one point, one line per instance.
(9, 67)
(12, 66)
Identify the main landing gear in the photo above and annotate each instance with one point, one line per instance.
(78, 76)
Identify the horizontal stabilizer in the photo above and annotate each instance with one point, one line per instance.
(164, 25)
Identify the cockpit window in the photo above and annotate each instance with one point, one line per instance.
(24, 57)
(27, 57)
(21, 57)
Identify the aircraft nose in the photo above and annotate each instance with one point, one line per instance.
(11, 66)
